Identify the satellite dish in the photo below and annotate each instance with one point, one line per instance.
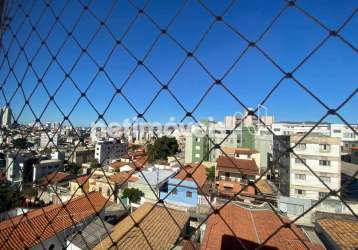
(283, 207)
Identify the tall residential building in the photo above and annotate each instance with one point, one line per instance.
(5, 115)
(48, 140)
(198, 144)
(321, 153)
(109, 150)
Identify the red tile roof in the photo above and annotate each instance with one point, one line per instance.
(54, 178)
(199, 175)
(241, 165)
(122, 177)
(81, 180)
(229, 188)
(35, 223)
(344, 233)
(252, 227)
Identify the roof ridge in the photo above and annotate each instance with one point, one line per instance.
(254, 227)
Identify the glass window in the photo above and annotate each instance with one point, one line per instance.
(300, 191)
(300, 176)
(301, 146)
(325, 147)
(325, 179)
(300, 161)
(324, 162)
(189, 194)
(321, 195)
(175, 191)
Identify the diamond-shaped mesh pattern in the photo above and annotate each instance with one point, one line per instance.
(44, 45)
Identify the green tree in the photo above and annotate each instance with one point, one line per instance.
(9, 198)
(211, 173)
(162, 148)
(21, 143)
(133, 194)
(73, 168)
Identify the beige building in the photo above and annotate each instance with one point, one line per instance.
(323, 155)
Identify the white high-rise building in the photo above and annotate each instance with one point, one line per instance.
(321, 153)
(109, 150)
(5, 115)
(45, 140)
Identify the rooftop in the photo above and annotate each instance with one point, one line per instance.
(344, 233)
(26, 233)
(93, 233)
(155, 176)
(54, 178)
(158, 227)
(252, 227)
(199, 175)
(122, 177)
(241, 165)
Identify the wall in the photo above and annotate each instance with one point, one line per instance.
(180, 197)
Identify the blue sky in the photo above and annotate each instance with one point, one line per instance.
(331, 73)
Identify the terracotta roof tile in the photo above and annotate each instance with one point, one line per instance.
(343, 232)
(241, 165)
(34, 224)
(229, 188)
(158, 227)
(252, 227)
(120, 178)
(54, 178)
(199, 175)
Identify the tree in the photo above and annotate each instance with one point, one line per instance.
(73, 168)
(211, 173)
(8, 196)
(133, 194)
(21, 143)
(162, 148)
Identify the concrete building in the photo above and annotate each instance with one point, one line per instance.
(19, 167)
(48, 140)
(321, 153)
(110, 150)
(198, 144)
(151, 182)
(82, 155)
(45, 167)
(6, 117)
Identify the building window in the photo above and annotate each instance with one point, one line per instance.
(197, 147)
(325, 179)
(325, 147)
(321, 195)
(189, 194)
(108, 192)
(197, 155)
(301, 146)
(197, 139)
(300, 160)
(100, 189)
(300, 191)
(300, 177)
(336, 131)
(52, 247)
(324, 163)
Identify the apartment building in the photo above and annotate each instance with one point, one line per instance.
(109, 150)
(348, 138)
(48, 140)
(198, 144)
(321, 153)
